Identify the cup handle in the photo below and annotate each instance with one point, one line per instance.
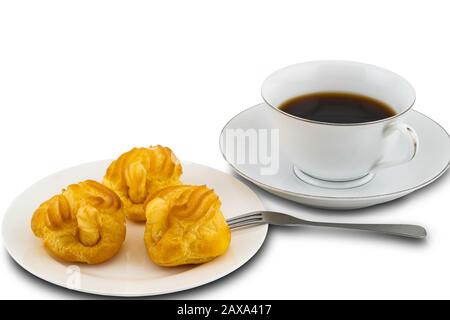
(408, 133)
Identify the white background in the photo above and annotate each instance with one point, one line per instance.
(87, 80)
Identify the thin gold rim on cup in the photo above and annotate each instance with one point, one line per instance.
(342, 124)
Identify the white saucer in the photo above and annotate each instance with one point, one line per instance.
(130, 272)
(431, 161)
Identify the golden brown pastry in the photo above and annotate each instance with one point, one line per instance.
(85, 223)
(185, 226)
(137, 175)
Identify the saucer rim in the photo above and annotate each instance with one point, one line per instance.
(339, 198)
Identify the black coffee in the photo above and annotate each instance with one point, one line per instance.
(337, 107)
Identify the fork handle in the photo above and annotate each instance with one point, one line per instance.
(405, 230)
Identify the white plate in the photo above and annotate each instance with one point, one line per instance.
(130, 273)
(431, 161)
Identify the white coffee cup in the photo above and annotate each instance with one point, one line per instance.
(340, 154)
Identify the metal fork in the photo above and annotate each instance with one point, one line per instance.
(281, 219)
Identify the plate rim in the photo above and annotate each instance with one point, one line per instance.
(264, 228)
(339, 198)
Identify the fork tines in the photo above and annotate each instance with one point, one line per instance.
(246, 220)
